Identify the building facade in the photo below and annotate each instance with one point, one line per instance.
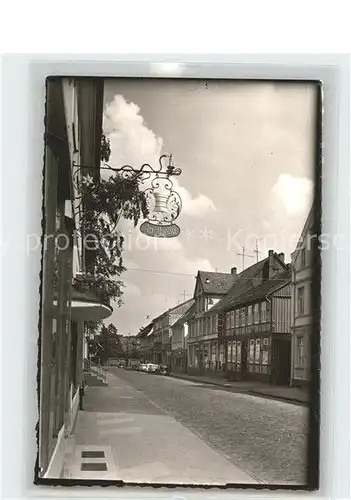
(204, 350)
(257, 333)
(302, 317)
(252, 323)
(68, 136)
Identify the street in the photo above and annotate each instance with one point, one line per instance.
(265, 439)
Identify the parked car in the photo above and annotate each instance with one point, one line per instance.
(152, 368)
(163, 370)
(142, 367)
(121, 364)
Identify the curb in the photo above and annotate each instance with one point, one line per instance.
(292, 401)
(247, 391)
(199, 380)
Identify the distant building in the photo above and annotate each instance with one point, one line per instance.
(145, 338)
(180, 335)
(162, 333)
(302, 267)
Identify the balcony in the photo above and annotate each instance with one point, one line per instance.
(91, 305)
(88, 305)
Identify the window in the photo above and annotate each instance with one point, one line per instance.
(229, 352)
(243, 316)
(303, 257)
(263, 312)
(251, 354)
(232, 319)
(255, 314)
(301, 300)
(234, 352)
(237, 318)
(227, 321)
(257, 351)
(238, 352)
(300, 351)
(249, 315)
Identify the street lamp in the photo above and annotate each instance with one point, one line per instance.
(164, 205)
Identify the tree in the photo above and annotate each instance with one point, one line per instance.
(110, 343)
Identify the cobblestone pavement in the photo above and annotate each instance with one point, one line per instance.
(265, 437)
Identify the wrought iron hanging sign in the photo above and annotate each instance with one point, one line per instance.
(163, 204)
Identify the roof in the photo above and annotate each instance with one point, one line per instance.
(266, 288)
(172, 309)
(218, 283)
(243, 284)
(145, 331)
(240, 286)
(186, 316)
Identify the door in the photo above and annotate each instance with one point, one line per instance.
(281, 361)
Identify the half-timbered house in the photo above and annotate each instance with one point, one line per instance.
(254, 324)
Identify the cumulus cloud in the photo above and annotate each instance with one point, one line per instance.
(194, 206)
(293, 193)
(134, 143)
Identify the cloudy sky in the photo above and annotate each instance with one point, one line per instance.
(246, 151)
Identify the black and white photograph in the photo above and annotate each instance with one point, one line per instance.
(180, 285)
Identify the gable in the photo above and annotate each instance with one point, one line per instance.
(304, 237)
(198, 286)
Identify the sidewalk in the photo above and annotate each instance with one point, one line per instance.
(123, 435)
(289, 394)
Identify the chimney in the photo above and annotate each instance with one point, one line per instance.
(270, 263)
(233, 271)
(281, 256)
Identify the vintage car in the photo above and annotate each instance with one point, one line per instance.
(163, 370)
(152, 368)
